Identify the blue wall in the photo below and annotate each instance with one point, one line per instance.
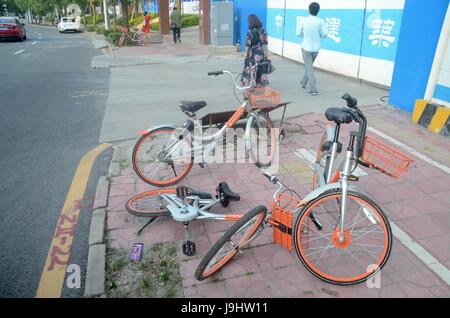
(242, 9)
(419, 35)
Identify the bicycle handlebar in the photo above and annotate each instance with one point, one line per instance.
(357, 116)
(271, 178)
(351, 101)
(215, 73)
(238, 87)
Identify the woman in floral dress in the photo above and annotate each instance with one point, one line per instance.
(256, 51)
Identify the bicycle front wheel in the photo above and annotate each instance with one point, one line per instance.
(161, 159)
(228, 245)
(149, 203)
(366, 244)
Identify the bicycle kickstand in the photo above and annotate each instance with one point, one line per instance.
(188, 246)
(147, 224)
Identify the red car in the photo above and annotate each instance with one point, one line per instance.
(11, 28)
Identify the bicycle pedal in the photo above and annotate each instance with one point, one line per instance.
(353, 178)
(189, 248)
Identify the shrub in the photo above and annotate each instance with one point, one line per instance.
(155, 26)
(91, 28)
(188, 20)
(113, 37)
(100, 30)
(137, 19)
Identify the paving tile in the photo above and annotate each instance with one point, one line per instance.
(418, 203)
(237, 286)
(212, 290)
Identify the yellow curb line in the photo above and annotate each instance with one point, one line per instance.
(53, 274)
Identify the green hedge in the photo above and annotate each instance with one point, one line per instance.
(100, 30)
(188, 20)
(90, 28)
(155, 26)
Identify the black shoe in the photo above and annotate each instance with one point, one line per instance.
(313, 92)
(302, 85)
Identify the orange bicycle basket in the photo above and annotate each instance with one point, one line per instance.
(385, 158)
(263, 97)
(281, 220)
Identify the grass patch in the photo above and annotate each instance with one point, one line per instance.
(157, 275)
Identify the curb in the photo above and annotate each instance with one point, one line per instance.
(432, 116)
(95, 274)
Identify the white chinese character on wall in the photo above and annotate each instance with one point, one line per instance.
(382, 32)
(333, 25)
(278, 22)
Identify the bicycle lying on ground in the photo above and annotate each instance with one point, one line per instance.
(137, 37)
(184, 205)
(165, 154)
(340, 235)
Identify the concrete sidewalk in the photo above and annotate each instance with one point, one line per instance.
(147, 83)
(418, 205)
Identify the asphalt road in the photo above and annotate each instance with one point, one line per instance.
(51, 109)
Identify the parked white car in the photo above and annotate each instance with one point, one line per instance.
(69, 24)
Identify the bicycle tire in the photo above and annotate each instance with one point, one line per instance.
(132, 205)
(269, 125)
(140, 171)
(202, 272)
(299, 231)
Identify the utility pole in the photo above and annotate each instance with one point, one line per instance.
(105, 12)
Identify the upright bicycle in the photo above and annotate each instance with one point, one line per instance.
(165, 154)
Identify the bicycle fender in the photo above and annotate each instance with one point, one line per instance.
(146, 131)
(248, 127)
(319, 191)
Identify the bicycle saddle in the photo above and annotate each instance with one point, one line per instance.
(338, 116)
(183, 192)
(192, 106)
(224, 189)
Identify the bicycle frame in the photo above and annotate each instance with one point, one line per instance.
(182, 211)
(190, 124)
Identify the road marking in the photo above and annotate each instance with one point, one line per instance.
(52, 277)
(432, 263)
(33, 43)
(18, 52)
(410, 150)
(40, 38)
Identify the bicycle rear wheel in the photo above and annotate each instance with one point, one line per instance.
(367, 238)
(228, 245)
(149, 203)
(263, 140)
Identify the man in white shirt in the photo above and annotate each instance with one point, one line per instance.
(312, 30)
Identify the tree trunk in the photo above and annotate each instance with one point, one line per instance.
(115, 14)
(125, 14)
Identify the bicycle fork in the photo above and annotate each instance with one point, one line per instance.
(346, 172)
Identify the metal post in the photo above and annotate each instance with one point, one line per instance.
(105, 12)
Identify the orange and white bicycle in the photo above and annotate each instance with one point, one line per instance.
(341, 236)
(165, 154)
